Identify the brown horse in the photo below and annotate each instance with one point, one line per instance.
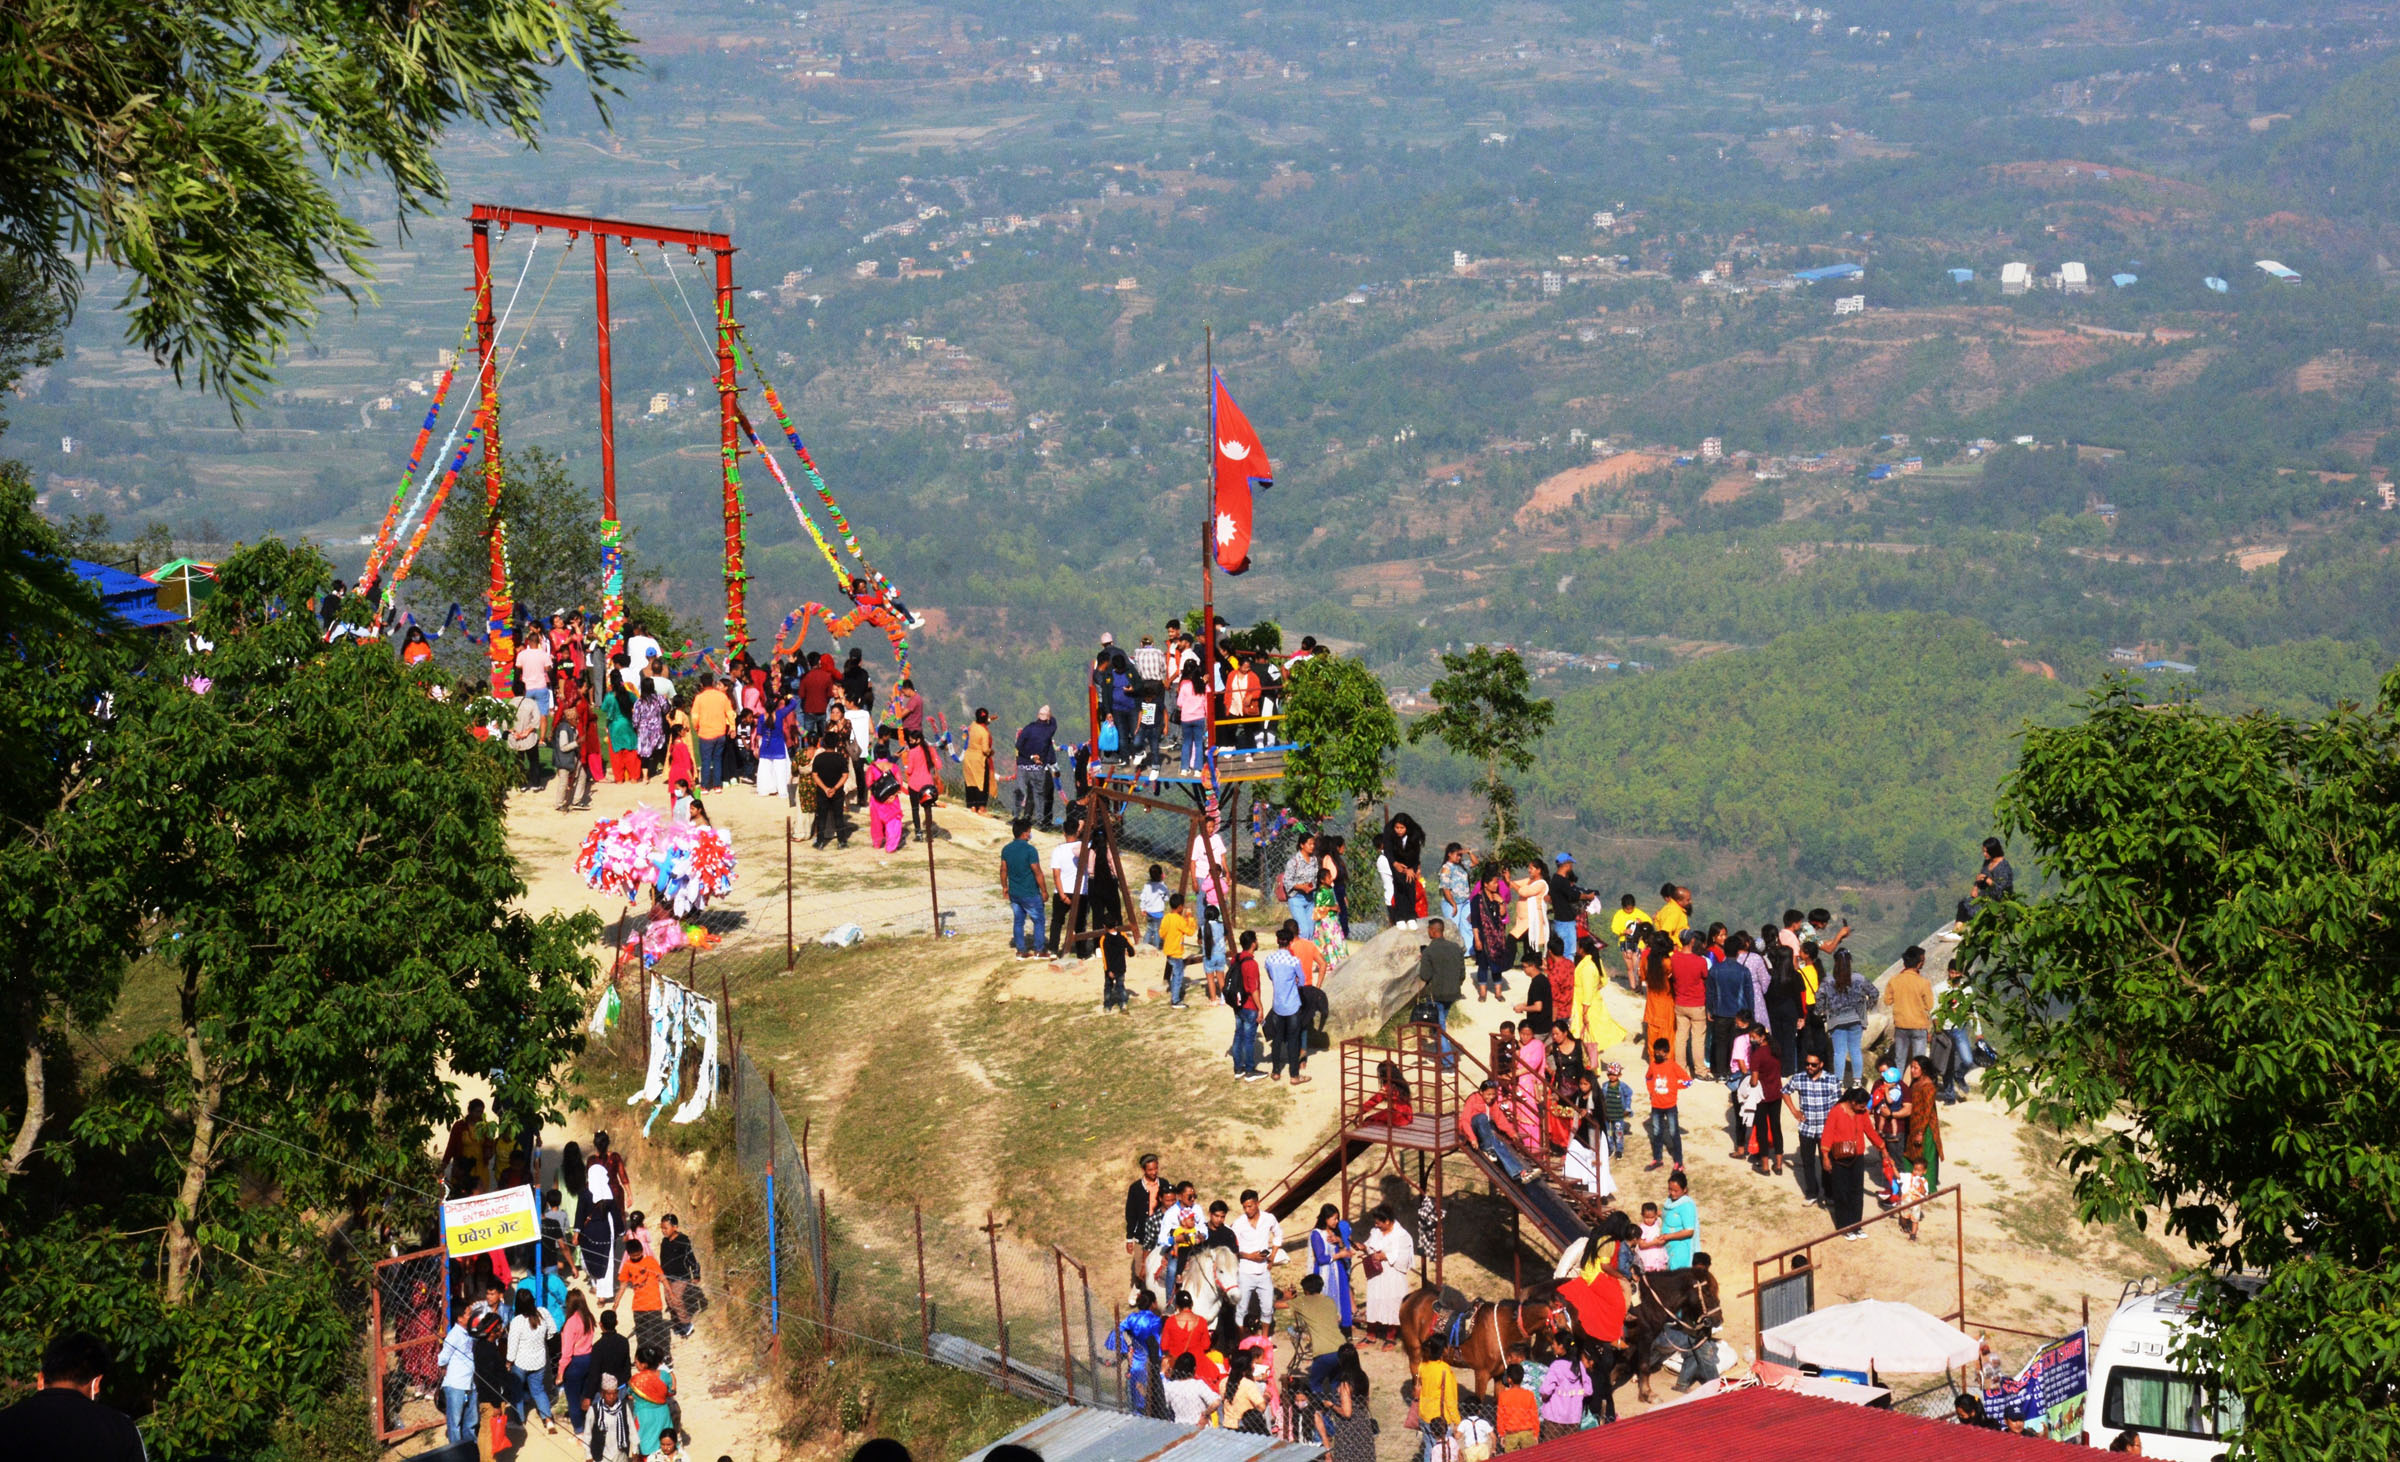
(1494, 1328)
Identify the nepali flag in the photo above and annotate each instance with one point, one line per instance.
(1240, 462)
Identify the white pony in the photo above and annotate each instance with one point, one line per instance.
(1211, 1276)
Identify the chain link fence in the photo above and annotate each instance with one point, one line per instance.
(831, 1277)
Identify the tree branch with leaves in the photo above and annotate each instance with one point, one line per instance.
(2202, 1004)
(1485, 712)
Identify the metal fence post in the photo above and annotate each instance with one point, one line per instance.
(924, 1300)
(789, 948)
(1091, 1347)
(824, 1279)
(1066, 1336)
(991, 1227)
(774, 1278)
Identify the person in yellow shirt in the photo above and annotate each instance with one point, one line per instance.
(1177, 931)
(1437, 1386)
(1674, 912)
(1626, 925)
(1591, 1023)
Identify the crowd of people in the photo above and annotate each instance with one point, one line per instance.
(534, 1331)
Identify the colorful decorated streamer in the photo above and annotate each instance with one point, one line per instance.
(737, 577)
(386, 535)
(808, 464)
(433, 510)
(612, 581)
(831, 559)
(842, 626)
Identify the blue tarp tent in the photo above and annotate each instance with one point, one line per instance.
(129, 597)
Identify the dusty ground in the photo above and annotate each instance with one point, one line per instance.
(950, 1074)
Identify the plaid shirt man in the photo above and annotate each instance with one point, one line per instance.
(1816, 1092)
(1150, 660)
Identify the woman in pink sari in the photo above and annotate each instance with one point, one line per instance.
(1533, 1060)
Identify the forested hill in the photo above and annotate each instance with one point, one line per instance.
(1862, 750)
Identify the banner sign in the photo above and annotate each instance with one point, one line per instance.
(2050, 1392)
(490, 1221)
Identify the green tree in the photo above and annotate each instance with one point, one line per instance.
(1336, 710)
(2203, 1003)
(1484, 713)
(64, 905)
(203, 148)
(321, 849)
(553, 539)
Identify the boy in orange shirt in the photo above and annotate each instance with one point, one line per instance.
(641, 1277)
(1519, 1416)
(1665, 1082)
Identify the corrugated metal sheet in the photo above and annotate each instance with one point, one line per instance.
(1747, 1425)
(1088, 1434)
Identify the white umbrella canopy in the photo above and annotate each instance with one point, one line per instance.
(1881, 1335)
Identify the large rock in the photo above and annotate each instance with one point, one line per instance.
(1378, 979)
(1939, 946)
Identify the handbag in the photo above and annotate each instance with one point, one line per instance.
(1374, 1262)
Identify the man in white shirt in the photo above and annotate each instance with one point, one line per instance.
(639, 649)
(1066, 881)
(1258, 1242)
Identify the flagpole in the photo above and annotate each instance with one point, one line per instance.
(1208, 550)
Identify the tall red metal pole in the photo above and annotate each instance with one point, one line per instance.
(503, 653)
(612, 568)
(737, 613)
(608, 413)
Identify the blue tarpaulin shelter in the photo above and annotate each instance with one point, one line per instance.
(129, 597)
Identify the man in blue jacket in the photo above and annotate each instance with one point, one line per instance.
(1037, 754)
(1728, 996)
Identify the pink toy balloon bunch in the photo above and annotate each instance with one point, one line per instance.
(687, 865)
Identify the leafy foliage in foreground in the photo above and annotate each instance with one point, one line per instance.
(2212, 963)
(317, 849)
(197, 147)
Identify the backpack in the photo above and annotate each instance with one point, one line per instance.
(1234, 980)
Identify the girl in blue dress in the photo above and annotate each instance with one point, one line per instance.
(1329, 1256)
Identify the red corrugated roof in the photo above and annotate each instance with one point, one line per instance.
(1746, 1425)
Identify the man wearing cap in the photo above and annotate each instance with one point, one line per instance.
(1475, 1124)
(1037, 753)
(1566, 898)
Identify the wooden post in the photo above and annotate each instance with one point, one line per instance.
(991, 1228)
(790, 950)
(932, 885)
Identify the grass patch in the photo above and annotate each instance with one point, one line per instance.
(2046, 1217)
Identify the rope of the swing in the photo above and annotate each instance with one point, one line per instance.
(386, 535)
(474, 396)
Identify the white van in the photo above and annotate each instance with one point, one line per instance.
(2136, 1385)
